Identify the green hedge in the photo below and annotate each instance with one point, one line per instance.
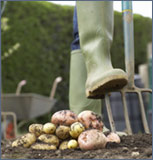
(44, 31)
(142, 35)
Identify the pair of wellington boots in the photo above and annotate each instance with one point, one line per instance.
(78, 101)
(91, 71)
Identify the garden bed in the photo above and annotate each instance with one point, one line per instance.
(137, 146)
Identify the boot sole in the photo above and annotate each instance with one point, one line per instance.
(113, 83)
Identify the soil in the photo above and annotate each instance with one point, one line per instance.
(137, 146)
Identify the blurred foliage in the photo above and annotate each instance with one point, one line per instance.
(5, 27)
(44, 31)
(142, 36)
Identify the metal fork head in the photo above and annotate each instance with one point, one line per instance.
(129, 63)
(139, 92)
(123, 92)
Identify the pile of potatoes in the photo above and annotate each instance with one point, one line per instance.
(67, 131)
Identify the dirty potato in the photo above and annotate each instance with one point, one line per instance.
(17, 143)
(64, 117)
(49, 138)
(113, 137)
(49, 128)
(63, 145)
(63, 132)
(72, 144)
(28, 139)
(90, 120)
(76, 129)
(92, 139)
(42, 146)
(25, 141)
(37, 129)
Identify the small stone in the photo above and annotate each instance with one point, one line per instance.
(87, 153)
(58, 152)
(135, 154)
(148, 152)
(97, 157)
(99, 151)
(135, 149)
(118, 157)
(125, 149)
(106, 154)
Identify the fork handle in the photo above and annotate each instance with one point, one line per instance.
(128, 41)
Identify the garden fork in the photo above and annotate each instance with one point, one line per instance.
(129, 64)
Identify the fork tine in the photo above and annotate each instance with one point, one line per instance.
(126, 115)
(109, 111)
(143, 115)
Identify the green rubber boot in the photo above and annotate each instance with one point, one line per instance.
(77, 98)
(78, 74)
(95, 24)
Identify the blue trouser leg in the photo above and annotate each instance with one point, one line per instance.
(75, 44)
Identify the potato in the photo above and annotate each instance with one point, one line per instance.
(37, 129)
(64, 117)
(17, 143)
(26, 140)
(63, 132)
(41, 146)
(92, 139)
(72, 144)
(49, 128)
(76, 129)
(63, 145)
(90, 120)
(49, 138)
(113, 137)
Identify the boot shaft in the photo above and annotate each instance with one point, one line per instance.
(95, 22)
(78, 75)
(95, 19)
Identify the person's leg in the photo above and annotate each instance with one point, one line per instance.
(76, 43)
(78, 74)
(95, 24)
